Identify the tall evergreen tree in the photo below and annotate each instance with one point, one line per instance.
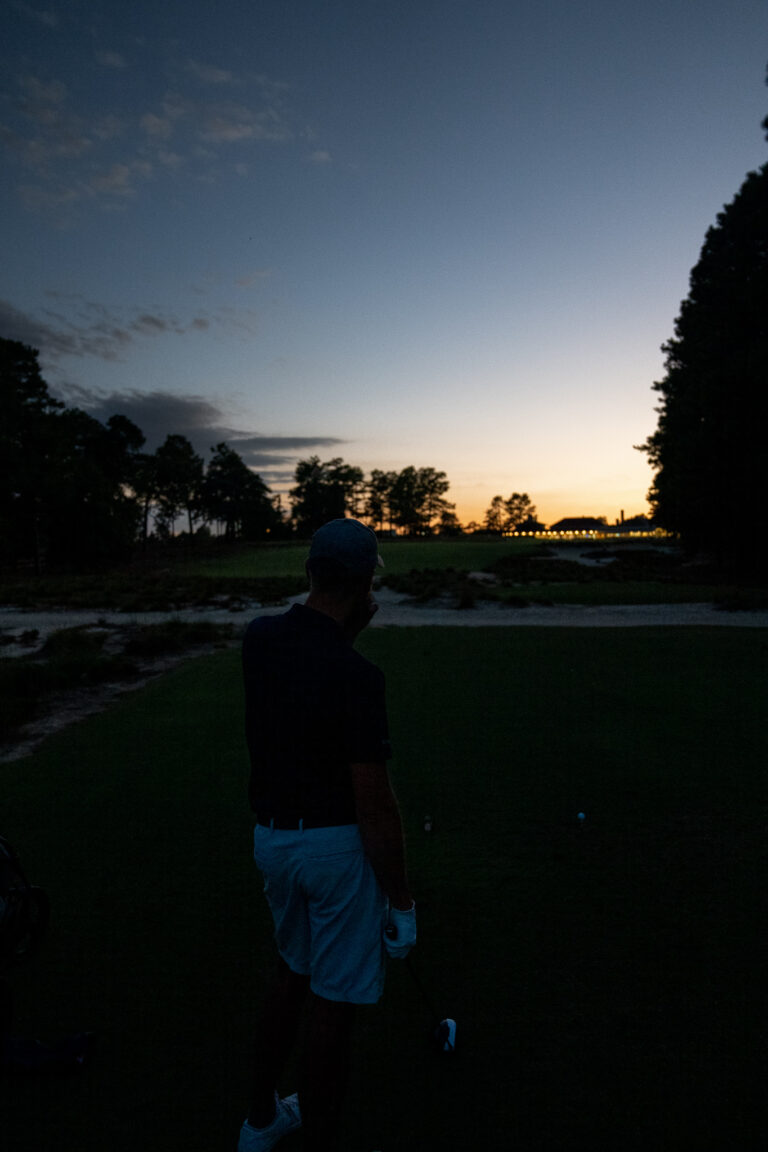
(65, 478)
(179, 482)
(26, 432)
(709, 448)
(91, 515)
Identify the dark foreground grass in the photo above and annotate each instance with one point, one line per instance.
(606, 975)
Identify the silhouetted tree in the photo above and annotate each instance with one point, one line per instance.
(434, 485)
(709, 446)
(179, 480)
(449, 524)
(518, 510)
(515, 514)
(236, 497)
(493, 521)
(377, 504)
(26, 429)
(417, 497)
(324, 491)
(92, 515)
(65, 478)
(144, 487)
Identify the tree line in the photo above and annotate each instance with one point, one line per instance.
(515, 514)
(76, 493)
(411, 501)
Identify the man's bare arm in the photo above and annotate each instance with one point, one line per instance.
(381, 829)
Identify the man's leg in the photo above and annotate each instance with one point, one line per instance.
(276, 1036)
(325, 1071)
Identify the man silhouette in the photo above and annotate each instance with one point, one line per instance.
(328, 837)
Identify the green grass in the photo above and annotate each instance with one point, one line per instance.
(606, 977)
(398, 556)
(595, 593)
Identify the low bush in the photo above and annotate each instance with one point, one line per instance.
(164, 591)
(432, 583)
(73, 644)
(171, 636)
(75, 658)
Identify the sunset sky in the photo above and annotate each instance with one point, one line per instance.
(448, 233)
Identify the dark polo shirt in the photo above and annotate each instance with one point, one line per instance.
(313, 706)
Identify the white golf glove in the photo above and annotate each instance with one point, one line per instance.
(400, 932)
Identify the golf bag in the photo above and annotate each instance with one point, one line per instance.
(24, 911)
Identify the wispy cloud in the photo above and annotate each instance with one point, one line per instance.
(157, 127)
(159, 413)
(46, 17)
(76, 327)
(54, 336)
(108, 127)
(111, 60)
(120, 179)
(209, 74)
(277, 451)
(41, 98)
(69, 152)
(64, 158)
(231, 123)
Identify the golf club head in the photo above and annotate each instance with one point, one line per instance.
(445, 1036)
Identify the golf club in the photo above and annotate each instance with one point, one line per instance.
(444, 1031)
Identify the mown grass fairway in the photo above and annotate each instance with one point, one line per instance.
(398, 555)
(606, 975)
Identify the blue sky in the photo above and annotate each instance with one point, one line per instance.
(443, 233)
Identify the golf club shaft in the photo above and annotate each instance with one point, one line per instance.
(424, 994)
(391, 931)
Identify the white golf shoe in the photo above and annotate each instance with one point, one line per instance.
(287, 1119)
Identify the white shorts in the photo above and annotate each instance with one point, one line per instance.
(328, 909)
